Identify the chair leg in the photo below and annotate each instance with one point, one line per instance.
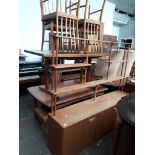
(43, 35)
(81, 75)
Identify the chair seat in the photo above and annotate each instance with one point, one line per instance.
(52, 16)
(47, 26)
(90, 21)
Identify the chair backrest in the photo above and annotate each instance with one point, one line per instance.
(102, 65)
(76, 6)
(72, 8)
(47, 7)
(130, 60)
(100, 10)
(50, 6)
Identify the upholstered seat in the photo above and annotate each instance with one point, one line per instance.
(131, 59)
(102, 65)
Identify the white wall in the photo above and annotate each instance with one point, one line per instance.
(30, 26)
(108, 18)
(128, 31)
(115, 30)
(123, 30)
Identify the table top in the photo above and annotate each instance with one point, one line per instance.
(63, 99)
(75, 113)
(70, 66)
(44, 97)
(126, 109)
(48, 54)
(89, 84)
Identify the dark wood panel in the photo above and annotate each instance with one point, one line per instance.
(105, 122)
(79, 136)
(55, 137)
(73, 139)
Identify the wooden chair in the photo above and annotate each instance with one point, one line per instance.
(103, 64)
(57, 21)
(131, 59)
(67, 40)
(114, 65)
(46, 13)
(71, 8)
(92, 29)
(64, 38)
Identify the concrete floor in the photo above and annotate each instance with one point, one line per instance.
(32, 140)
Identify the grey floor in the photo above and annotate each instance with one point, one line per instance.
(32, 140)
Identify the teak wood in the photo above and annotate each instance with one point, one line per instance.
(72, 38)
(48, 54)
(78, 87)
(79, 114)
(63, 99)
(50, 17)
(68, 66)
(92, 29)
(87, 85)
(78, 126)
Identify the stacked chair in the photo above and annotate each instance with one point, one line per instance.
(73, 36)
(92, 30)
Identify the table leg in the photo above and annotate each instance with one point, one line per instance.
(88, 74)
(52, 80)
(81, 75)
(54, 108)
(55, 75)
(85, 76)
(46, 74)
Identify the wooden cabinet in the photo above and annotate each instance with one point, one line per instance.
(105, 122)
(76, 127)
(75, 138)
(78, 136)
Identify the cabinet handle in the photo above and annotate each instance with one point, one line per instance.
(91, 119)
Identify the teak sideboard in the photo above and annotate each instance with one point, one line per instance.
(76, 127)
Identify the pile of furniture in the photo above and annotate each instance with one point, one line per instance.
(78, 110)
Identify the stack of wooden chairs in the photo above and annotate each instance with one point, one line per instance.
(68, 28)
(70, 35)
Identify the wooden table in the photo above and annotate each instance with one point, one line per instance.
(47, 58)
(48, 54)
(63, 99)
(43, 100)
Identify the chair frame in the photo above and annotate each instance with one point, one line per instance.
(92, 28)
